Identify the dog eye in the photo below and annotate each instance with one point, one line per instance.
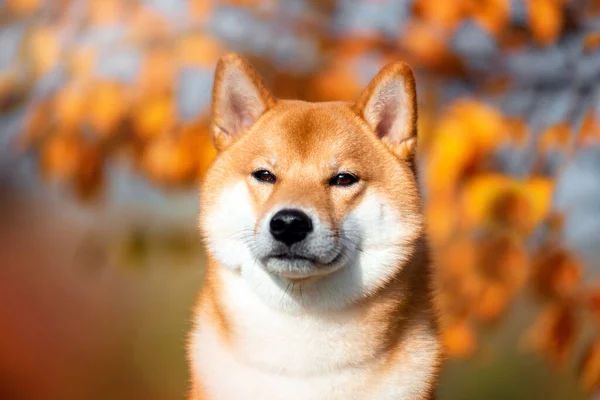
(343, 180)
(264, 176)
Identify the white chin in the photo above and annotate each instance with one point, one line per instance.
(298, 268)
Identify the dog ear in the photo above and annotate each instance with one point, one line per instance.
(389, 106)
(239, 98)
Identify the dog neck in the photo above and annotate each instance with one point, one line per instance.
(399, 316)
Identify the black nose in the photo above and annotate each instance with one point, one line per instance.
(290, 226)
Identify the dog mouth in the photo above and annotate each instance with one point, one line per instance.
(298, 267)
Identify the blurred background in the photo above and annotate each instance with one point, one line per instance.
(104, 108)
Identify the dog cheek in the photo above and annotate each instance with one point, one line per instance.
(228, 224)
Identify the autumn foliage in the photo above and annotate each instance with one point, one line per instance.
(494, 233)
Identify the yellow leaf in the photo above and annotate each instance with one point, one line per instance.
(539, 191)
(478, 195)
(451, 152)
(499, 199)
(483, 124)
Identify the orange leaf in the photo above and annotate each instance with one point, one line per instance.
(591, 42)
(493, 301)
(478, 195)
(158, 72)
(198, 50)
(198, 134)
(484, 124)
(23, 8)
(556, 137)
(82, 62)
(441, 219)
(555, 273)
(89, 176)
(170, 161)
(147, 26)
(545, 20)
(36, 124)
(498, 199)
(451, 153)
(200, 10)
(539, 192)
(424, 42)
(105, 12)
(458, 256)
(153, 116)
(555, 223)
(445, 15)
(589, 367)
(13, 92)
(518, 130)
(459, 339)
(554, 333)
(107, 103)
(590, 131)
(43, 49)
(70, 107)
(503, 259)
(61, 155)
(492, 15)
(511, 209)
(336, 82)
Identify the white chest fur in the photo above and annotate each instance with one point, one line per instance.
(272, 355)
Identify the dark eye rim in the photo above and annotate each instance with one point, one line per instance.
(335, 180)
(263, 175)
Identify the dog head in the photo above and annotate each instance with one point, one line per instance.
(314, 205)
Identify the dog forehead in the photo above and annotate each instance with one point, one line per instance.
(310, 128)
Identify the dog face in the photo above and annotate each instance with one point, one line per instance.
(315, 205)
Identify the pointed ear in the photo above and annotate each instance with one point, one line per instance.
(389, 105)
(239, 99)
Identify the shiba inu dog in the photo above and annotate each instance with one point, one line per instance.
(318, 277)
